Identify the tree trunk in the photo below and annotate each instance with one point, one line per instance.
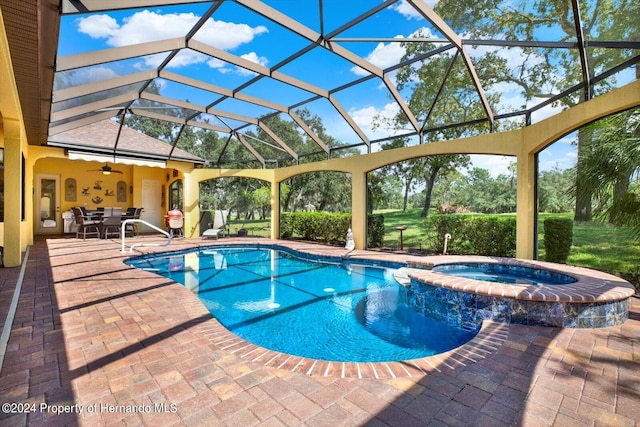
(369, 203)
(583, 196)
(406, 194)
(431, 180)
(620, 188)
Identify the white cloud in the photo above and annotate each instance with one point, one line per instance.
(387, 55)
(496, 165)
(147, 26)
(98, 26)
(366, 117)
(545, 112)
(252, 57)
(383, 56)
(216, 63)
(93, 74)
(408, 11)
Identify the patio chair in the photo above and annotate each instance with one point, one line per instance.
(112, 221)
(85, 224)
(219, 225)
(132, 227)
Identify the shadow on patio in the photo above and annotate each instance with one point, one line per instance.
(91, 332)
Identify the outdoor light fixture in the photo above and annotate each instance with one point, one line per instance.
(106, 170)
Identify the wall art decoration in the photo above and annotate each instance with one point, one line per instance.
(121, 191)
(109, 193)
(97, 185)
(86, 191)
(70, 190)
(97, 200)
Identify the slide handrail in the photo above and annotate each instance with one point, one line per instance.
(129, 221)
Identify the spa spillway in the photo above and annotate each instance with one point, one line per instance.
(466, 289)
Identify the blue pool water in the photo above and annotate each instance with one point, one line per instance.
(316, 309)
(504, 273)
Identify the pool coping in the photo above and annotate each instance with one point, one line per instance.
(488, 340)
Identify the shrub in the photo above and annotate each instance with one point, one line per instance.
(633, 277)
(494, 236)
(558, 236)
(375, 230)
(328, 227)
(286, 226)
(486, 235)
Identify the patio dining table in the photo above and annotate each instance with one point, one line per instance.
(107, 219)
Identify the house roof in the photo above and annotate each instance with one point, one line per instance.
(107, 137)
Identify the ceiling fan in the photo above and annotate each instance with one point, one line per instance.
(106, 170)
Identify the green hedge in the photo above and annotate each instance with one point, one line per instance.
(558, 236)
(375, 230)
(477, 235)
(327, 227)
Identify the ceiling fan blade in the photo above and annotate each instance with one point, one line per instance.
(106, 169)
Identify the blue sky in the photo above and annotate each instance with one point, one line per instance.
(260, 41)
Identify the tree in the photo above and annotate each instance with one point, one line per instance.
(408, 171)
(457, 102)
(484, 194)
(609, 164)
(155, 128)
(554, 195)
(262, 200)
(330, 191)
(546, 71)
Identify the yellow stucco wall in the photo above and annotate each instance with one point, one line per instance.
(47, 160)
(14, 232)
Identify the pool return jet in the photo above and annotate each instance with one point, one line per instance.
(447, 237)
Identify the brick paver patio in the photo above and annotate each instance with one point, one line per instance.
(111, 345)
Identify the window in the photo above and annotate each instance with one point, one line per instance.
(175, 194)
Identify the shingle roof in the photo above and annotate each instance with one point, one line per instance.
(102, 138)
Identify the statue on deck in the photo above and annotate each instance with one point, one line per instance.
(351, 244)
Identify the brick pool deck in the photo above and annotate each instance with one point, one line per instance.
(121, 345)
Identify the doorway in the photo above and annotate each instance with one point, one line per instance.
(151, 201)
(47, 218)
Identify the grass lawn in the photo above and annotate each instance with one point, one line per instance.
(255, 227)
(598, 245)
(595, 245)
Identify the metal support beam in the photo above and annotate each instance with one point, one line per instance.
(277, 139)
(577, 20)
(96, 57)
(442, 26)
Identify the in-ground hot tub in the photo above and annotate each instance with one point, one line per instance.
(468, 289)
(504, 273)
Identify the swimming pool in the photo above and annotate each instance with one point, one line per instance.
(324, 309)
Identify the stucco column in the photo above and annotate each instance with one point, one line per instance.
(191, 191)
(359, 209)
(526, 206)
(12, 193)
(275, 209)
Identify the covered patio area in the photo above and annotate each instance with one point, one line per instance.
(109, 345)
